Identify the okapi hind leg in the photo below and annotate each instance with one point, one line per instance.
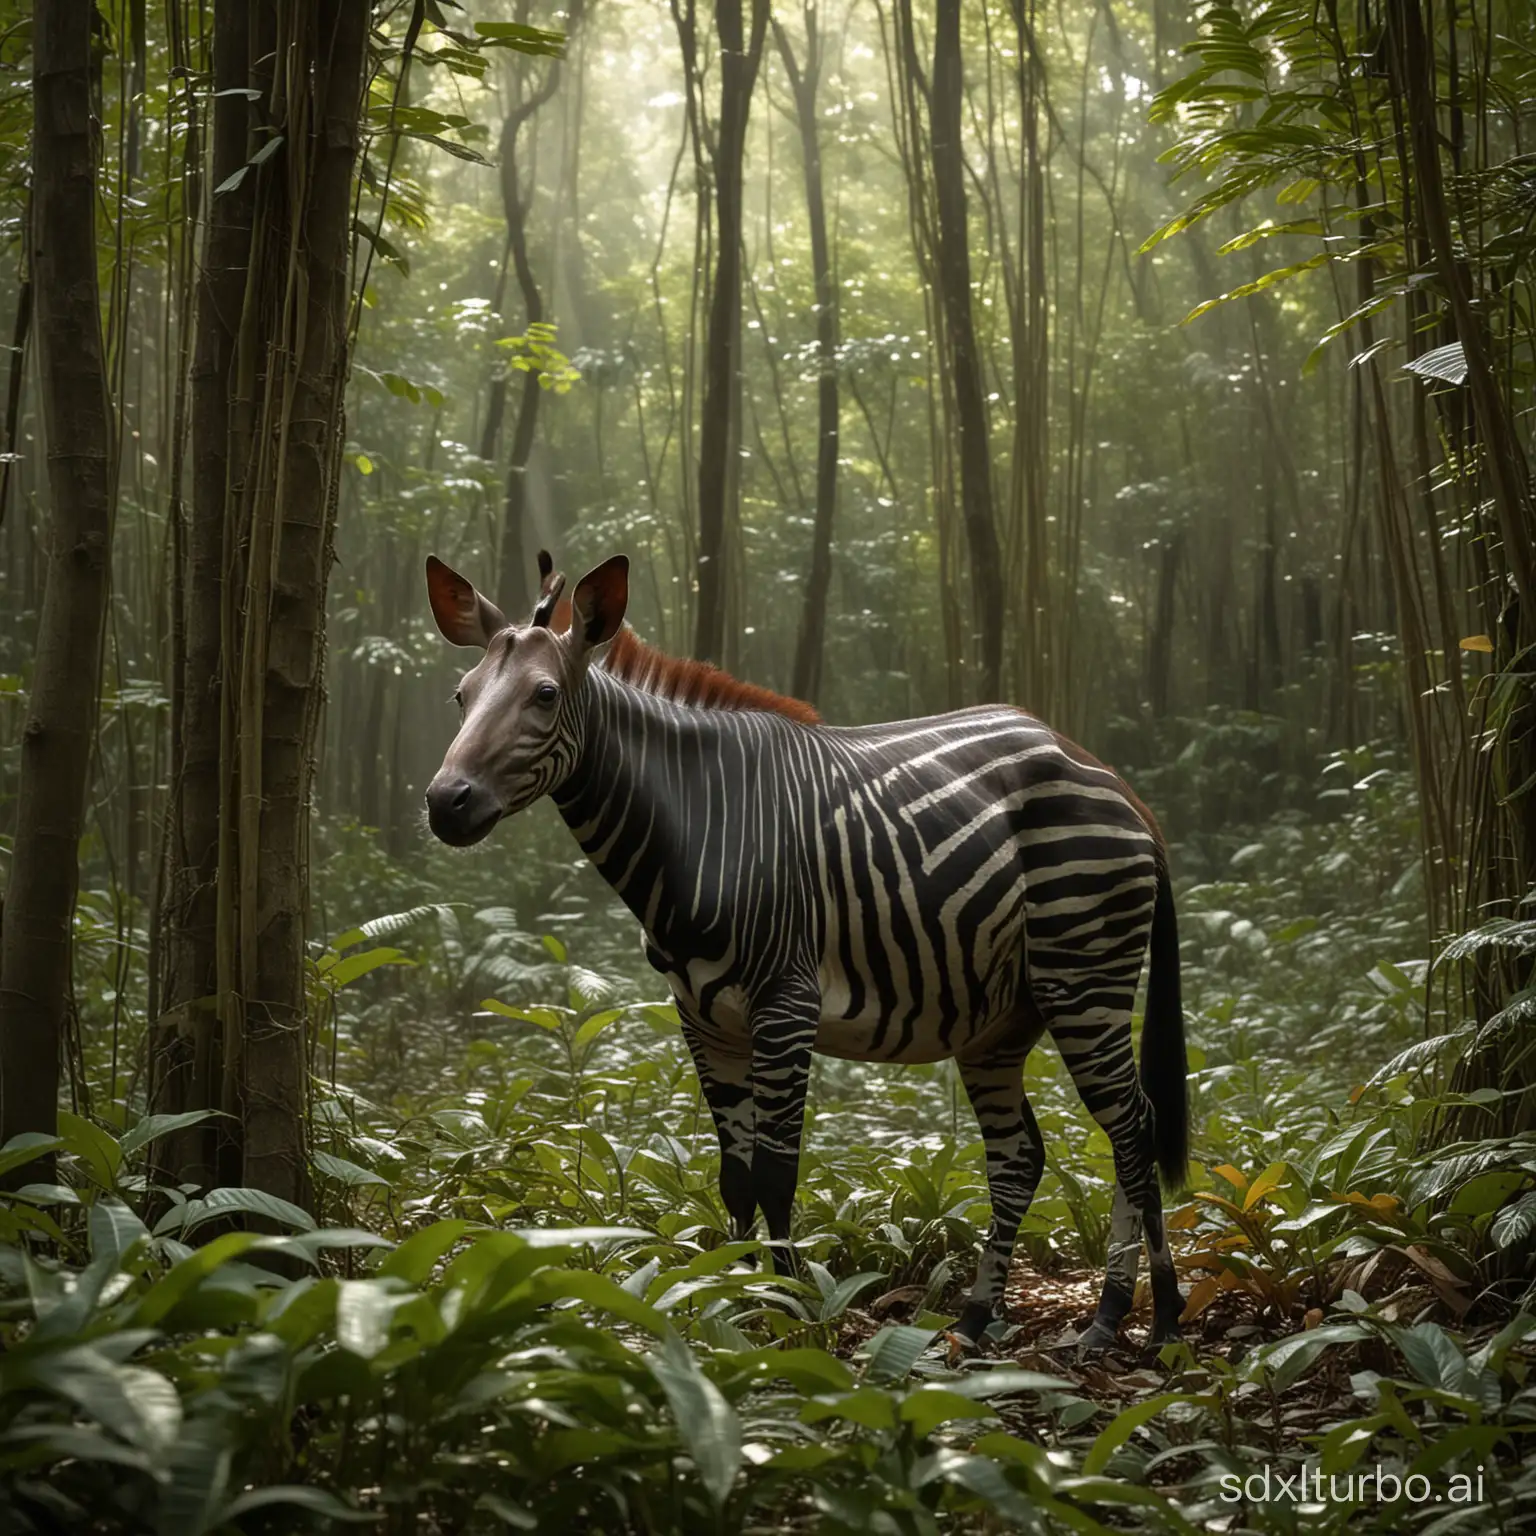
(1096, 1046)
(1015, 1161)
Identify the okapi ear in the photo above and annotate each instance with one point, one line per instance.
(546, 567)
(599, 601)
(462, 614)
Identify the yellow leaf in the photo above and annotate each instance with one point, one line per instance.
(1201, 1295)
(1266, 1181)
(1239, 1181)
(1477, 643)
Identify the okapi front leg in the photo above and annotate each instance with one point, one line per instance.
(1015, 1161)
(783, 1020)
(726, 1081)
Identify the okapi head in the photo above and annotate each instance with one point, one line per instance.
(511, 747)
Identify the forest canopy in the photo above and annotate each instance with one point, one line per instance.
(1162, 371)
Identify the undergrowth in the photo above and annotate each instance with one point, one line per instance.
(520, 1307)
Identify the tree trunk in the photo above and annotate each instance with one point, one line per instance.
(741, 51)
(61, 722)
(186, 1059)
(953, 271)
(810, 645)
(274, 319)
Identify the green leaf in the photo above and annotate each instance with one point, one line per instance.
(415, 1258)
(1005, 1380)
(928, 1407)
(596, 1025)
(158, 1301)
(872, 1407)
(545, 1018)
(295, 1496)
(890, 1354)
(1259, 284)
(114, 1229)
(93, 1146)
(353, 1175)
(706, 1421)
(153, 1127)
(1122, 1427)
(1433, 1356)
(1514, 1225)
(807, 1370)
(537, 41)
(364, 1311)
(1287, 1361)
(343, 971)
(224, 1202)
(27, 1146)
(837, 1301)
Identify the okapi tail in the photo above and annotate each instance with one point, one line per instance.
(1164, 1063)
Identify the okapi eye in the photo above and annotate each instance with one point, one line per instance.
(546, 693)
(458, 697)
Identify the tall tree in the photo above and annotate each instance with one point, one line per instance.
(953, 273)
(61, 719)
(517, 192)
(740, 54)
(805, 83)
(268, 406)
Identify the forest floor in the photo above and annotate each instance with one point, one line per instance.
(1047, 1312)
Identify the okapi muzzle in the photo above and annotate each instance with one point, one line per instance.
(461, 810)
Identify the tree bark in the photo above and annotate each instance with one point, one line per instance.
(186, 1056)
(61, 722)
(811, 643)
(953, 271)
(274, 314)
(741, 52)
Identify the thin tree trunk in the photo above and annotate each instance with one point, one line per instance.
(741, 52)
(186, 1061)
(61, 723)
(327, 51)
(954, 280)
(811, 642)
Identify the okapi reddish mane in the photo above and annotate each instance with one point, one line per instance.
(696, 684)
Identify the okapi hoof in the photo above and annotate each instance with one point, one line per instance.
(1164, 1333)
(974, 1320)
(1099, 1337)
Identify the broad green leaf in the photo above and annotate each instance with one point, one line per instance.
(157, 1302)
(929, 1406)
(152, 1127)
(99, 1151)
(415, 1258)
(364, 1312)
(315, 1501)
(842, 1295)
(1122, 1427)
(596, 1025)
(1433, 1356)
(353, 1175)
(114, 1229)
(705, 1420)
(890, 1354)
(873, 1407)
(25, 1147)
